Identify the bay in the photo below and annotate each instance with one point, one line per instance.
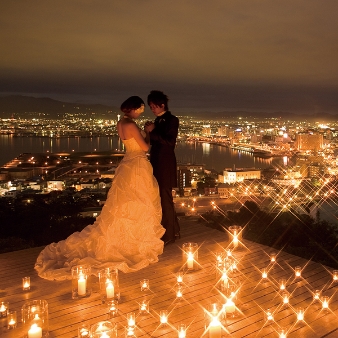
(213, 156)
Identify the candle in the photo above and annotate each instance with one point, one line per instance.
(235, 240)
(282, 284)
(325, 303)
(215, 329)
(163, 317)
(131, 319)
(230, 306)
(282, 333)
(179, 293)
(273, 258)
(83, 332)
(81, 285)
(335, 275)
(285, 298)
(190, 260)
(109, 289)
(269, 316)
(112, 307)
(316, 295)
(298, 271)
(144, 307)
(182, 331)
(104, 335)
(26, 283)
(3, 309)
(11, 320)
(144, 284)
(264, 274)
(300, 314)
(179, 277)
(35, 331)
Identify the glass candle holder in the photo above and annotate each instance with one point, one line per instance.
(81, 281)
(109, 284)
(4, 308)
(130, 332)
(131, 321)
(325, 303)
(35, 319)
(335, 276)
(215, 328)
(300, 314)
(236, 234)
(164, 317)
(179, 292)
(83, 331)
(282, 284)
(273, 257)
(179, 277)
(182, 331)
(264, 274)
(144, 307)
(112, 308)
(144, 284)
(230, 308)
(11, 320)
(26, 283)
(222, 278)
(190, 256)
(104, 329)
(316, 296)
(282, 333)
(298, 272)
(269, 316)
(285, 298)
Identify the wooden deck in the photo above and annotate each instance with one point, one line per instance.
(255, 296)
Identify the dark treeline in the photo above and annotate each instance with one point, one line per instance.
(298, 234)
(39, 221)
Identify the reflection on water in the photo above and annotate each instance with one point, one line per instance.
(213, 156)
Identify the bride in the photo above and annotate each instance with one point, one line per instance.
(126, 235)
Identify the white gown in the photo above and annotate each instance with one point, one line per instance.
(126, 235)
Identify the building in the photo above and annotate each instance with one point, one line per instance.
(309, 141)
(239, 175)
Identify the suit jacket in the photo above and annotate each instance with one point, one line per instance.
(162, 151)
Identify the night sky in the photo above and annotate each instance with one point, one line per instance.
(261, 55)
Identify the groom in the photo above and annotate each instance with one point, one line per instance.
(163, 134)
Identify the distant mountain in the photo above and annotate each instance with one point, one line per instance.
(26, 106)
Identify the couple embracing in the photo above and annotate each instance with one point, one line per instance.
(139, 217)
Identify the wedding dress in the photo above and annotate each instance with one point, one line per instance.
(126, 235)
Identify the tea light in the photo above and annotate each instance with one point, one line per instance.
(264, 274)
(81, 285)
(182, 331)
(235, 232)
(298, 271)
(144, 307)
(3, 309)
(190, 260)
(300, 314)
(112, 308)
(269, 316)
(179, 292)
(316, 296)
(282, 284)
(131, 319)
(215, 328)
(219, 259)
(282, 333)
(11, 320)
(335, 275)
(325, 303)
(285, 297)
(229, 253)
(273, 258)
(144, 283)
(179, 277)
(229, 306)
(35, 331)
(109, 289)
(164, 317)
(26, 283)
(83, 331)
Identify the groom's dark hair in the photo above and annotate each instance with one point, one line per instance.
(132, 102)
(158, 98)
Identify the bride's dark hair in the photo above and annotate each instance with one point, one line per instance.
(132, 102)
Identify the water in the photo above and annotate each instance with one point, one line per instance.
(213, 156)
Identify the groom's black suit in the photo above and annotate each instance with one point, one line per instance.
(163, 159)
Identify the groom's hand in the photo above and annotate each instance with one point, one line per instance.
(149, 126)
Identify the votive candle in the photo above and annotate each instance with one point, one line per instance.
(163, 317)
(11, 320)
(298, 271)
(4, 309)
(335, 275)
(26, 283)
(282, 284)
(300, 314)
(144, 283)
(182, 331)
(273, 258)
